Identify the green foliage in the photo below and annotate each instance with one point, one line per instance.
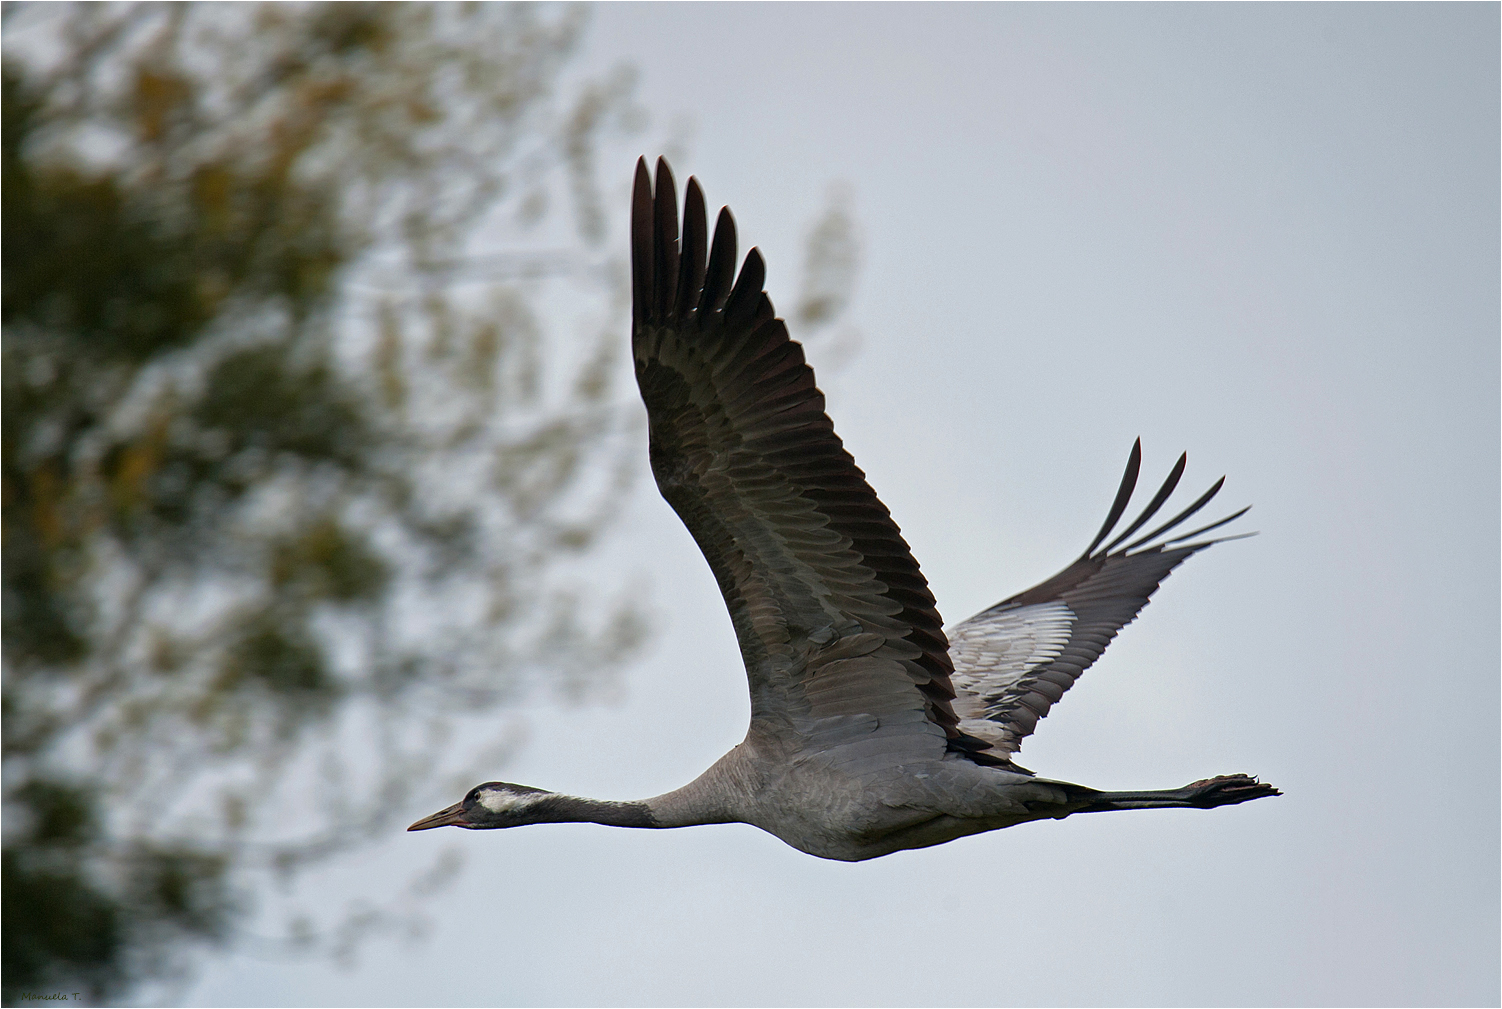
(259, 401)
(80, 259)
(325, 562)
(274, 657)
(57, 925)
(255, 418)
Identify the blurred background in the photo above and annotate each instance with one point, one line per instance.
(326, 496)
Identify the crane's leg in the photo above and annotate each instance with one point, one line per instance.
(1225, 790)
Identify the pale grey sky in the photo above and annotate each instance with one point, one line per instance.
(1267, 234)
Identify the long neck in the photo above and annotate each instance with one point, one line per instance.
(722, 794)
(696, 803)
(560, 808)
(716, 796)
(675, 809)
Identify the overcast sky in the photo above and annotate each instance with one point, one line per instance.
(1265, 234)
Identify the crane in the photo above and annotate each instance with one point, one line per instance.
(872, 730)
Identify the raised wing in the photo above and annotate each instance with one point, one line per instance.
(1015, 660)
(842, 642)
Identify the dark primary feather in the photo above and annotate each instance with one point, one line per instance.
(1014, 661)
(1155, 503)
(842, 642)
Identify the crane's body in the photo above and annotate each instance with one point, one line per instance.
(865, 808)
(872, 729)
(881, 805)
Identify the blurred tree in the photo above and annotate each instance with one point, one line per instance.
(831, 263)
(292, 471)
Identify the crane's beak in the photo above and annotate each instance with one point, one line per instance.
(452, 816)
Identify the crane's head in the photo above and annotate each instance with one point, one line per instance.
(489, 806)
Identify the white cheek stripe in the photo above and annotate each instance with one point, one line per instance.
(500, 802)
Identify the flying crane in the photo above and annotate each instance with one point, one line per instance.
(872, 729)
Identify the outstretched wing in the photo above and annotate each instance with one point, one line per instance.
(842, 642)
(1015, 660)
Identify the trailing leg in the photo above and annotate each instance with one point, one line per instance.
(1225, 790)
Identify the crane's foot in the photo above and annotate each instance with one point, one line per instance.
(1226, 790)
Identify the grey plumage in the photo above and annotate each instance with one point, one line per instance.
(871, 730)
